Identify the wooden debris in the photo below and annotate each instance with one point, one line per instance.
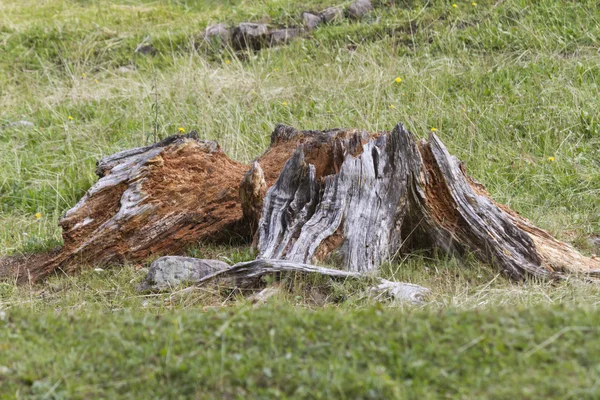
(248, 275)
(355, 198)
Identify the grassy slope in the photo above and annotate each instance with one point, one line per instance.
(507, 85)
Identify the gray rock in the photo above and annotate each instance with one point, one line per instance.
(167, 272)
(146, 49)
(594, 241)
(264, 295)
(311, 21)
(248, 35)
(218, 34)
(282, 36)
(359, 8)
(331, 14)
(406, 292)
(125, 70)
(19, 124)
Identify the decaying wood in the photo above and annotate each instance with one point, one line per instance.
(248, 274)
(355, 198)
(395, 195)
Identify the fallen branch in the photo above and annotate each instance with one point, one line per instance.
(248, 274)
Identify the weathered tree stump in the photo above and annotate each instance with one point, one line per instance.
(356, 198)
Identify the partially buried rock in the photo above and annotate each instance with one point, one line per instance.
(18, 124)
(283, 36)
(167, 272)
(311, 21)
(145, 49)
(248, 35)
(217, 34)
(359, 8)
(331, 14)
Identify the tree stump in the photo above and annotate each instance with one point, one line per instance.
(355, 198)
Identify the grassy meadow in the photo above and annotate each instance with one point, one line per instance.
(511, 87)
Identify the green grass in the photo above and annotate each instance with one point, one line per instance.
(282, 351)
(507, 85)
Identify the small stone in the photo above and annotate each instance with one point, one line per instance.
(167, 272)
(98, 270)
(311, 21)
(248, 35)
(400, 291)
(264, 295)
(283, 36)
(218, 34)
(594, 241)
(359, 9)
(2, 315)
(331, 14)
(124, 70)
(19, 124)
(145, 49)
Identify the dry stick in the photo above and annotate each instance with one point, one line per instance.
(246, 274)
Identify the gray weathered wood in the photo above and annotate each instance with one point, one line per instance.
(393, 194)
(248, 274)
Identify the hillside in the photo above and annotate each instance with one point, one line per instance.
(511, 87)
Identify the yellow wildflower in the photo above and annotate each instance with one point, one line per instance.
(474, 4)
(227, 62)
(392, 106)
(550, 159)
(276, 69)
(454, 5)
(433, 129)
(70, 118)
(38, 215)
(284, 103)
(96, 80)
(181, 130)
(398, 80)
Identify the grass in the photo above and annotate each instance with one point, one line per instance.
(512, 89)
(370, 352)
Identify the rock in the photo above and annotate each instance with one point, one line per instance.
(311, 21)
(18, 124)
(171, 271)
(264, 295)
(125, 70)
(283, 36)
(594, 241)
(331, 14)
(401, 291)
(359, 9)
(217, 34)
(145, 49)
(248, 35)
